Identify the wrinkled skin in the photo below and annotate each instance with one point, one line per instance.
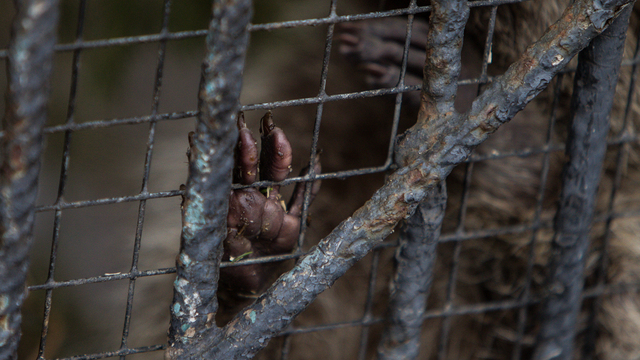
(259, 223)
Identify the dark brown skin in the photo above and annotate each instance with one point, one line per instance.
(259, 223)
(375, 47)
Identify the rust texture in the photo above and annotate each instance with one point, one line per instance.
(427, 153)
(441, 72)
(419, 234)
(29, 68)
(206, 198)
(592, 100)
(442, 65)
(415, 258)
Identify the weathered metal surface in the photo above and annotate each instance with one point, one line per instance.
(419, 234)
(206, 197)
(29, 67)
(427, 154)
(415, 259)
(591, 103)
(441, 72)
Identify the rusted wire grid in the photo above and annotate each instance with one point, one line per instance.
(364, 333)
(481, 308)
(30, 62)
(427, 153)
(593, 92)
(450, 237)
(537, 225)
(623, 139)
(157, 86)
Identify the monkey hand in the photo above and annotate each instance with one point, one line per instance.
(376, 47)
(259, 223)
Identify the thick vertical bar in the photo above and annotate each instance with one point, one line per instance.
(455, 264)
(28, 69)
(594, 88)
(206, 198)
(589, 350)
(413, 275)
(415, 258)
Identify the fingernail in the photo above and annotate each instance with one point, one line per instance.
(266, 124)
(241, 123)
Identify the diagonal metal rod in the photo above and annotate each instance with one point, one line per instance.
(591, 103)
(29, 68)
(428, 152)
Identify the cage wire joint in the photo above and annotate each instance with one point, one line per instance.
(427, 152)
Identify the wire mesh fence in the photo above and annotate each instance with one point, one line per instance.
(124, 92)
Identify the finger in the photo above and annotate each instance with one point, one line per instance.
(295, 204)
(246, 155)
(382, 42)
(272, 217)
(393, 29)
(246, 207)
(276, 154)
(288, 235)
(235, 245)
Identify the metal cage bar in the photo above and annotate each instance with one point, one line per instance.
(29, 68)
(520, 305)
(592, 101)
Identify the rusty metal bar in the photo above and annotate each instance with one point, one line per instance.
(206, 198)
(29, 68)
(436, 148)
(428, 152)
(591, 103)
(415, 259)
